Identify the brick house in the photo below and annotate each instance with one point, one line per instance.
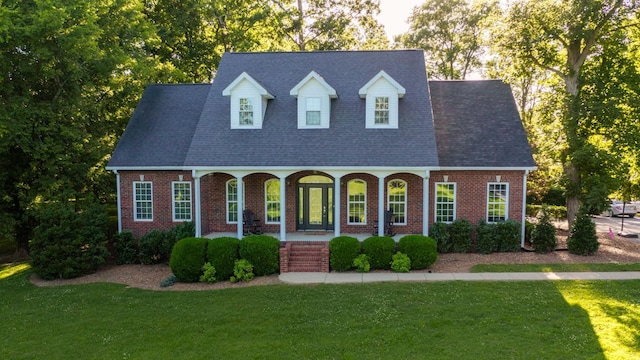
(321, 142)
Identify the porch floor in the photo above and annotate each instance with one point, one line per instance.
(303, 235)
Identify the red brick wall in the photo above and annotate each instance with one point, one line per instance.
(470, 200)
(471, 189)
(162, 197)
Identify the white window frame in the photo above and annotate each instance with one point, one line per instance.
(268, 201)
(438, 203)
(245, 87)
(136, 200)
(491, 204)
(181, 203)
(381, 111)
(228, 202)
(245, 109)
(392, 204)
(313, 105)
(362, 202)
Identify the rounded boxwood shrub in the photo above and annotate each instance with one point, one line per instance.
(486, 239)
(222, 253)
(582, 238)
(66, 243)
(263, 252)
(379, 250)
(508, 234)
(440, 233)
(460, 231)
(422, 250)
(188, 258)
(343, 249)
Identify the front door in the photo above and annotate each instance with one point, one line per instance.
(315, 204)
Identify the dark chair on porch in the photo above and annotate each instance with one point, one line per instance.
(250, 225)
(388, 224)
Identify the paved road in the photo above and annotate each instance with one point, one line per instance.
(630, 225)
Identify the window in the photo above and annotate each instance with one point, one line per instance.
(357, 202)
(497, 202)
(246, 111)
(382, 110)
(143, 200)
(181, 201)
(232, 201)
(445, 202)
(272, 201)
(397, 200)
(313, 111)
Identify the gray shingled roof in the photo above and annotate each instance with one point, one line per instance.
(346, 142)
(183, 126)
(160, 131)
(477, 125)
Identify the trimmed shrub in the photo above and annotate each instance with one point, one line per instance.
(222, 253)
(582, 237)
(154, 247)
(188, 258)
(67, 244)
(343, 250)
(361, 263)
(400, 262)
(543, 235)
(380, 250)
(242, 271)
(486, 239)
(422, 250)
(508, 234)
(126, 248)
(263, 252)
(460, 231)
(440, 233)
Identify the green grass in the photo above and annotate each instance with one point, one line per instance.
(441, 320)
(554, 267)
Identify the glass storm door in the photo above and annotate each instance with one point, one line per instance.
(315, 206)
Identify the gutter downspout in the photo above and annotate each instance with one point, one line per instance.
(524, 206)
(118, 201)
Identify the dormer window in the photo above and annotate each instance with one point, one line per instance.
(381, 115)
(314, 96)
(246, 112)
(313, 111)
(248, 102)
(382, 93)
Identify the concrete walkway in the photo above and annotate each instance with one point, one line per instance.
(350, 277)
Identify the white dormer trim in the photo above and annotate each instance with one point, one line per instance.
(314, 92)
(254, 97)
(384, 88)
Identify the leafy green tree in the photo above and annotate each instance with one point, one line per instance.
(331, 24)
(69, 77)
(451, 33)
(561, 37)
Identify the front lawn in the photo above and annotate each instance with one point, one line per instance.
(555, 267)
(443, 320)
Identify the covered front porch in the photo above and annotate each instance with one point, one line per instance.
(311, 205)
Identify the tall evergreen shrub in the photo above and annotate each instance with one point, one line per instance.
(543, 235)
(440, 233)
(461, 230)
(582, 238)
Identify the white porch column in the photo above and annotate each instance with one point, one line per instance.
(425, 206)
(524, 206)
(240, 189)
(381, 208)
(336, 204)
(197, 212)
(119, 201)
(283, 208)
